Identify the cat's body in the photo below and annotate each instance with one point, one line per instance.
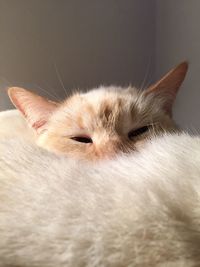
(13, 124)
(141, 210)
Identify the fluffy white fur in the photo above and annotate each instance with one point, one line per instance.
(13, 124)
(138, 210)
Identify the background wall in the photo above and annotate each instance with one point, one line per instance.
(90, 42)
(178, 38)
(84, 43)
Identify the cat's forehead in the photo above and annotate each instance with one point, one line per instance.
(105, 106)
(105, 103)
(107, 99)
(103, 98)
(111, 93)
(110, 97)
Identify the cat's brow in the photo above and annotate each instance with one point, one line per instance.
(86, 111)
(109, 112)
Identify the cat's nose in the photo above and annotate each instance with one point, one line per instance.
(109, 149)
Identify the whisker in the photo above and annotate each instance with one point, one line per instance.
(60, 79)
(147, 72)
(52, 90)
(145, 78)
(47, 92)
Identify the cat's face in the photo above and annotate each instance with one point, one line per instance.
(103, 122)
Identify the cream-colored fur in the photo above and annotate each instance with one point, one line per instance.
(98, 124)
(141, 210)
(13, 124)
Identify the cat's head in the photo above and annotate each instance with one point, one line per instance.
(102, 122)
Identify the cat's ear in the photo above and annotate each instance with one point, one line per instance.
(35, 108)
(167, 87)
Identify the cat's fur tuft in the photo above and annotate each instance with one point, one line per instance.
(141, 210)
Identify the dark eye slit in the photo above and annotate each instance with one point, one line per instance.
(82, 139)
(138, 131)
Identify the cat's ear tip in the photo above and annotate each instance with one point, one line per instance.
(184, 62)
(180, 70)
(13, 90)
(183, 65)
(16, 93)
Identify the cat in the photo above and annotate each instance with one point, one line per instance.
(102, 122)
(137, 210)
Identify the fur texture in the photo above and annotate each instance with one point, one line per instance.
(141, 210)
(13, 124)
(102, 122)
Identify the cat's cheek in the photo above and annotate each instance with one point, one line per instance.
(51, 142)
(64, 146)
(140, 144)
(44, 142)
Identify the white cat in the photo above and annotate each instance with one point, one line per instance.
(140, 210)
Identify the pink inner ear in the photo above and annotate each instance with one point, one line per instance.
(39, 124)
(35, 109)
(42, 112)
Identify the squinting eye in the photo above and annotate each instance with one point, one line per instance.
(82, 139)
(138, 131)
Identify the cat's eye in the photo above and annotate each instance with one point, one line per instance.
(137, 132)
(82, 139)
